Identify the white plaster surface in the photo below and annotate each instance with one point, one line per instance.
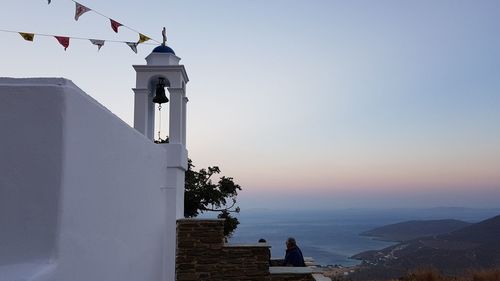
(82, 195)
(162, 59)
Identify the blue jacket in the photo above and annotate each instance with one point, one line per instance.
(294, 257)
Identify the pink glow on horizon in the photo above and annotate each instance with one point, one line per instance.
(374, 179)
(401, 169)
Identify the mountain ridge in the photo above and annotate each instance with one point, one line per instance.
(408, 230)
(472, 247)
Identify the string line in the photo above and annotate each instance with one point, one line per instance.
(97, 12)
(76, 38)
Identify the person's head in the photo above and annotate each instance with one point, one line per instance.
(262, 240)
(290, 243)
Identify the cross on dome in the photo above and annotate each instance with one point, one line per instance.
(163, 48)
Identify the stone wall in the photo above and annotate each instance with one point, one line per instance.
(245, 262)
(203, 255)
(199, 246)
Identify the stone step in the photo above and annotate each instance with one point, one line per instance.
(320, 277)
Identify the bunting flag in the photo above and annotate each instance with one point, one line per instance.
(80, 10)
(132, 46)
(142, 38)
(27, 36)
(115, 25)
(98, 43)
(64, 41)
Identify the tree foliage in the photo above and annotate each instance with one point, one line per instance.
(203, 194)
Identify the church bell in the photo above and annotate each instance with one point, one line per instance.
(160, 96)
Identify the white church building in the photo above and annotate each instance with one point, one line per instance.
(83, 196)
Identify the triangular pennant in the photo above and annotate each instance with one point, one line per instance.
(80, 10)
(142, 38)
(27, 36)
(98, 43)
(132, 46)
(64, 41)
(115, 25)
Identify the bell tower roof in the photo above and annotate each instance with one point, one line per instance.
(162, 55)
(163, 49)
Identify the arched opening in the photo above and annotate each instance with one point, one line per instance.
(160, 113)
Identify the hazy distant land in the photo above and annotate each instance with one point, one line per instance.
(409, 230)
(475, 246)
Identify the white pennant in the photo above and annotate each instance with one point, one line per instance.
(98, 43)
(80, 10)
(132, 46)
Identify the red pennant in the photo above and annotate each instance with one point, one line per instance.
(63, 41)
(115, 25)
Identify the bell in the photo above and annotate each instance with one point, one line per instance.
(160, 96)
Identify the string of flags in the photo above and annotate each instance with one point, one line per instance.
(65, 40)
(81, 9)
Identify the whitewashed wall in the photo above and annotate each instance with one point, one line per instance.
(81, 193)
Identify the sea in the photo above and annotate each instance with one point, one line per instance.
(331, 237)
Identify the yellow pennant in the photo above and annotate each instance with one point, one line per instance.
(27, 36)
(143, 38)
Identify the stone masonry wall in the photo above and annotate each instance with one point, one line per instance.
(199, 247)
(248, 262)
(202, 254)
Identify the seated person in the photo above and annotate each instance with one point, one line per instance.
(293, 256)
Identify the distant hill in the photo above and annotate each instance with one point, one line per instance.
(472, 247)
(409, 230)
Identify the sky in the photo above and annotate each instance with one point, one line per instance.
(306, 104)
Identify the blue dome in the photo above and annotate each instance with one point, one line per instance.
(163, 49)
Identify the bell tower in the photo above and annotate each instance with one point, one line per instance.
(163, 70)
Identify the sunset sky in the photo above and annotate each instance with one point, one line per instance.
(307, 104)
